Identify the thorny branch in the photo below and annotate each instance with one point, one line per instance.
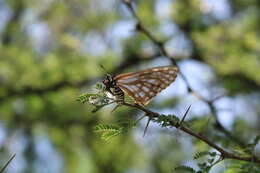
(224, 153)
(141, 28)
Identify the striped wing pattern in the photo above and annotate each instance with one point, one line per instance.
(143, 85)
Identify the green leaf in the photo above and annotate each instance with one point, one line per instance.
(91, 98)
(110, 134)
(213, 154)
(184, 168)
(211, 160)
(83, 98)
(203, 165)
(97, 108)
(100, 87)
(201, 154)
(166, 120)
(99, 100)
(105, 128)
(108, 131)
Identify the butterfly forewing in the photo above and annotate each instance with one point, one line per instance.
(143, 85)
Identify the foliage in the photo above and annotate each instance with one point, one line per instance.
(99, 100)
(185, 169)
(108, 131)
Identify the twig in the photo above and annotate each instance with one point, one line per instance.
(224, 153)
(141, 28)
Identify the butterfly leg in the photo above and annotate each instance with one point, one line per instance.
(120, 102)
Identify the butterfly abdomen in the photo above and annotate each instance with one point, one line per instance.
(112, 88)
(118, 93)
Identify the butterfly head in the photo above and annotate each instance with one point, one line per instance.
(109, 81)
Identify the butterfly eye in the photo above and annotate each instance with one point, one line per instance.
(106, 83)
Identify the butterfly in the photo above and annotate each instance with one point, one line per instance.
(142, 85)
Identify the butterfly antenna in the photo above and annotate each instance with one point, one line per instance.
(146, 127)
(103, 68)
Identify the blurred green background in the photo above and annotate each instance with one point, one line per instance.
(50, 52)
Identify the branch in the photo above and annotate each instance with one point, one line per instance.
(224, 153)
(141, 28)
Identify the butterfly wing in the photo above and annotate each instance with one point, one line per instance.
(143, 85)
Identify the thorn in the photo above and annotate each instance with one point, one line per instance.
(146, 127)
(184, 116)
(117, 106)
(7, 163)
(103, 68)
